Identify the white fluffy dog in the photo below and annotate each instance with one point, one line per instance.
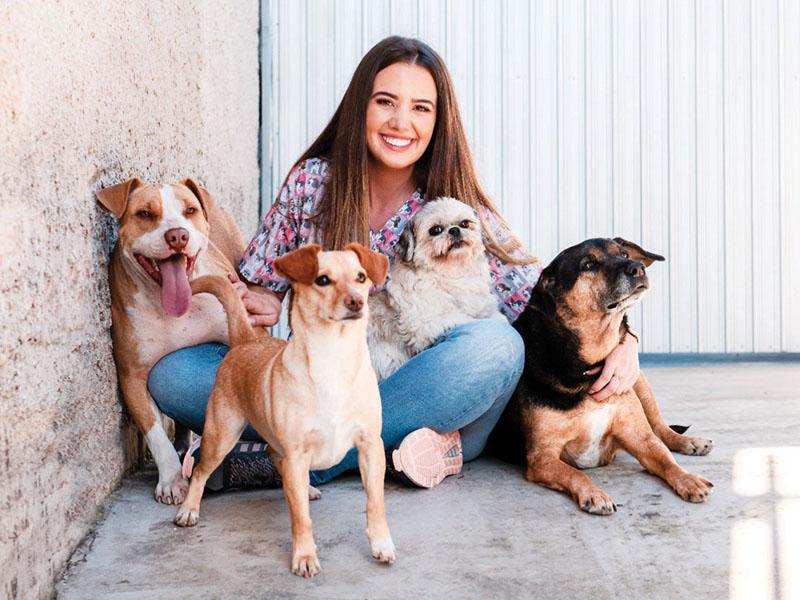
(440, 279)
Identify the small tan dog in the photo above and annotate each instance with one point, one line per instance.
(168, 234)
(312, 399)
(440, 280)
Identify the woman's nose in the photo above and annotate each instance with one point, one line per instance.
(399, 118)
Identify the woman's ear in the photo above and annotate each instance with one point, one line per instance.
(114, 199)
(406, 243)
(301, 265)
(375, 264)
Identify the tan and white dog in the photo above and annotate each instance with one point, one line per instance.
(168, 235)
(312, 399)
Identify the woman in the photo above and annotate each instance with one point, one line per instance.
(395, 141)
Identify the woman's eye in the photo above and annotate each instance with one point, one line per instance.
(384, 101)
(435, 230)
(191, 210)
(322, 280)
(145, 214)
(422, 108)
(361, 278)
(464, 224)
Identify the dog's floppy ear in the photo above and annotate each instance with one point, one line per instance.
(202, 195)
(406, 243)
(375, 264)
(301, 265)
(542, 297)
(638, 253)
(114, 199)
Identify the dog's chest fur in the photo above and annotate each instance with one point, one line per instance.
(337, 420)
(591, 446)
(156, 334)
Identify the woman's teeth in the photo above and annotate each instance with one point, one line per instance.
(396, 142)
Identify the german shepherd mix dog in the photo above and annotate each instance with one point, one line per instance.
(575, 318)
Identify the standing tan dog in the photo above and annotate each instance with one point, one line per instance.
(575, 318)
(312, 399)
(168, 234)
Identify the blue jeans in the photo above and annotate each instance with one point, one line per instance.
(461, 382)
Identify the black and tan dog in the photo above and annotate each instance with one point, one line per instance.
(575, 318)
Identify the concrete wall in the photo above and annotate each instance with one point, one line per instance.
(93, 92)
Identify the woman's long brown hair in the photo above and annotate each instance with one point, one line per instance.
(445, 169)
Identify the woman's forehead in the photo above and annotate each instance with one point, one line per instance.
(405, 80)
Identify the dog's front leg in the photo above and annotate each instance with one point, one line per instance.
(172, 485)
(548, 469)
(636, 437)
(685, 444)
(372, 466)
(294, 469)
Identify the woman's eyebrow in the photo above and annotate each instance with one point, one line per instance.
(395, 97)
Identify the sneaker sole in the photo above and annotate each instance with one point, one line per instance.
(426, 457)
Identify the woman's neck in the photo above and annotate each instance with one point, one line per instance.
(388, 190)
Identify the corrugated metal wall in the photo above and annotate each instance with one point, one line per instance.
(672, 123)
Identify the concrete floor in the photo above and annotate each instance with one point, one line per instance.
(490, 534)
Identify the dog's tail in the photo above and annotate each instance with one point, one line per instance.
(239, 329)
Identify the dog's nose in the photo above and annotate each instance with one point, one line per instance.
(177, 238)
(354, 302)
(454, 231)
(635, 268)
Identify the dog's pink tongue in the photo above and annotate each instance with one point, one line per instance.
(176, 292)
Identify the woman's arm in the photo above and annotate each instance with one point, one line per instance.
(285, 228)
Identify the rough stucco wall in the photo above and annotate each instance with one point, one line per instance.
(93, 92)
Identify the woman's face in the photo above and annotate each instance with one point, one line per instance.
(401, 115)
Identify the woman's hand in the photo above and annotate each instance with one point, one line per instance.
(620, 371)
(263, 305)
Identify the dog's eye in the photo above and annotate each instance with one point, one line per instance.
(322, 280)
(464, 224)
(436, 230)
(361, 278)
(191, 210)
(589, 265)
(625, 255)
(145, 214)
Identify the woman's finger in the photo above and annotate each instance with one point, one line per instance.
(263, 320)
(605, 377)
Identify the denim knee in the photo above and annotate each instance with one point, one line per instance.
(490, 349)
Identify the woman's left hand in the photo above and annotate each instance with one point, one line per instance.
(620, 371)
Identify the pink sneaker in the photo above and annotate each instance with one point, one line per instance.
(425, 457)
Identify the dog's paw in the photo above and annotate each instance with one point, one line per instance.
(383, 550)
(596, 502)
(693, 488)
(172, 491)
(305, 564)
(314, 493)
(187, 517)
(695, 446)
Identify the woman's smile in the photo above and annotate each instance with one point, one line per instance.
(397, 144)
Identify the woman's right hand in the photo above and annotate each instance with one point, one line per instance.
(263, 305)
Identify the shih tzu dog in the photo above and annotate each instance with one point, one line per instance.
(440, 279)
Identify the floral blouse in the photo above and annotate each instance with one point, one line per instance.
(288, 225)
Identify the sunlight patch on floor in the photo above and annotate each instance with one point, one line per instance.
(765, 551)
